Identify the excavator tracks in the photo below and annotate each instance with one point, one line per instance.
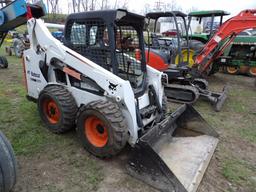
(181, 93)
(201, 83)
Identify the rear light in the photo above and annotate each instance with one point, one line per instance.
(137, 54)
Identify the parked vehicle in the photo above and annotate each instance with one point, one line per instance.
(239, 56)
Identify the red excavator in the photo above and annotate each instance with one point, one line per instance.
(185, 80)
(227, 32)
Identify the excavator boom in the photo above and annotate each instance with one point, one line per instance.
(227, 32)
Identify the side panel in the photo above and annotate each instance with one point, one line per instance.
(35, 79)
(155, 78)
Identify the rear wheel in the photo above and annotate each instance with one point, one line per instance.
(102, 128)
(232, 70)
(8, 166)
(195, 47)
(252, 71)
(57, 108)
(185, 58)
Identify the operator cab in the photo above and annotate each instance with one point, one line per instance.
(111, 39)
(172, 40)
(207, 23)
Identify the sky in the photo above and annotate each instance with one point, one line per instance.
(232, 6)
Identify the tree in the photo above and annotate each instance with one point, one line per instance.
(74, 5)
(146, 9)
(89, 5)
(53, 6)
(173, 6)
(84, 4)
(121, 4)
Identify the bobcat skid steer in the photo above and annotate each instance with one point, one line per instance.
(94, 83)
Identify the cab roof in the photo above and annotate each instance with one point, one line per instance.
(108, 16)
(208, 13)
(156, 15)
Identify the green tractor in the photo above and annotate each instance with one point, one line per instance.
(204, 23)
(239, 56)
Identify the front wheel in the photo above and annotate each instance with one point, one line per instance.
(231, 70)
(252, 72)
(102, 128)
(8, 165)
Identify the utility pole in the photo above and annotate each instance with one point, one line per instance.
(92, 6)
(158, 5)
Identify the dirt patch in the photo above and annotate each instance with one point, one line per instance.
(75, 170)
(116, 177)
(213, 179)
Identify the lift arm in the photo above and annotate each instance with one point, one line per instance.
(226, 33)
(17, 13)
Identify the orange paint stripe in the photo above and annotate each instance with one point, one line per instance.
(80, 59)
(72, 73)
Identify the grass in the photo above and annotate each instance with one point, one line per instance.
(19, 117)
(248, 133)
(239, 172)
(20, 120)
(30, 139)
(236, 125)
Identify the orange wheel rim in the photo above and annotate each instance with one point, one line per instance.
(95, 131)
(232, 70)
(51, 111)
(253, 71)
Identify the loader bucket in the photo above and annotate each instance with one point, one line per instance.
(174, 154)
(217, 99)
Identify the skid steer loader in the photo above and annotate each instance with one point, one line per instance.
(94, 83)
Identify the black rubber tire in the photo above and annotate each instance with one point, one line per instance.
(227, 72)
(18, 47)
(111, 116)
(250, 73)
(201, 83)
(3, 62)
(8, 165)
(66, 105)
